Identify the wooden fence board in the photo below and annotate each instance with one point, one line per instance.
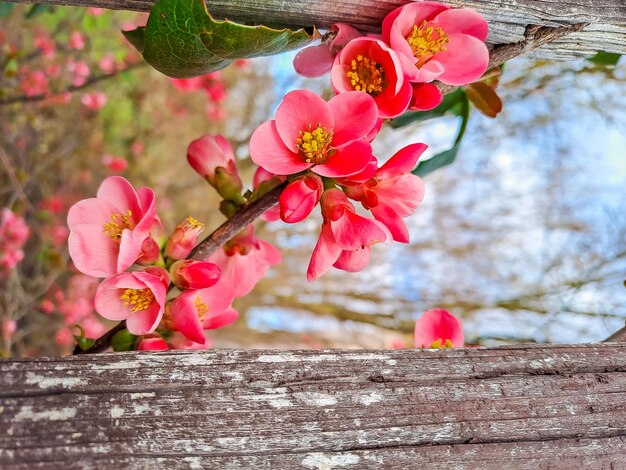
(512, 407)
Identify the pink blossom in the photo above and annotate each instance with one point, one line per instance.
(244, 261)
(79, 71)
(196, 310)
(179, 341)
(9, 326)
(393, 192)
(369, 65)
(13, 235)
(263, 176)
(137, 297)
(309, 132)
(46, 306)
(426, 96)
(184, 238)
(153, 342)
(45, 44)
(137, 148)
(76, 41)
(189, 274)
(94, 101)
(53, 204)
(187, 84)
(108, 231)
(95, 11)
(208, 154)
(435, 41)
(107, 64)
(300, 197)
(315, 61)
(113, 163)
(438, 328)
(34, 83)
(345, 238)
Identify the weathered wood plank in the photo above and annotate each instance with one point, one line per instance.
(513, 407)
(508, 20)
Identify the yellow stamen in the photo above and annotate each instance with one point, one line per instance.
(366, 75)
(201, 308)
(447, 344)
(137, 299)
(118, 223)
(314, 145)
(426, 41)
(190, 223)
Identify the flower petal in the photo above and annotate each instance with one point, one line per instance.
(314, 61)
(268, 151)
(324, 255)
(465, 60)
(346, 161)
(403, 161)
(354, 114)
(301, 110)
(353, 261)
(353, 231)
(464, 21)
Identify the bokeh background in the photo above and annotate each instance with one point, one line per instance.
(524, 236)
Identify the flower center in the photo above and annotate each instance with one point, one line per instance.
(366, 75)
(426, 41)
(440, 344)
(137, 299)
(314, 146)
(191, 223)
(201, 308)
(118, 223)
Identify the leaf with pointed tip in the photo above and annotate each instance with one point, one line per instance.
(484, 98)
(183, 40)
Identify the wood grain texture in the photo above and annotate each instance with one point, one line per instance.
(507, 19)
(512, 407)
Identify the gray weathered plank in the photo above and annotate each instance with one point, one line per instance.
(508, 20)
(513, 407)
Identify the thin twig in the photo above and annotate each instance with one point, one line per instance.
(72, 88)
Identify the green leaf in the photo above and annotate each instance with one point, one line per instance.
(37, 10)
(183, 40)
(605, 58)
(135, 37)
(123, 340)
(451, 104)
(83, 342)
(448, 156)
(6, 8)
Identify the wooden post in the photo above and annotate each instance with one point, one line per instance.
(508, 21)
(513, 407)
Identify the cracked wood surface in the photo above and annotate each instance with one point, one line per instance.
(507, 20)
(512, 407)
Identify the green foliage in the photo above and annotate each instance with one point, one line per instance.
(448, 156)
(6, 8)
(609, 59)
(183, 40)
(83, 342)
(37, 10)
(123, 340)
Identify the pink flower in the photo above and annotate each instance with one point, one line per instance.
(438, 328)
(114, 164)
(194, 311)
(108, 231)
(435, 41)
(79, 71)
(34, 83)
(345, 238)
(76, 41)
(244, 261)
(426, 96)
(212, 157)
(13, 235)
(309, 132)
(369, 65)
(189, 274)
(300, 197)
(137, 297)
(107, 64)
(315, 61)
(187, 84)
(179, 341)
(184, 238)
(45, 44)
(263, 176)
(94, 101)
(393, 192)
(153, 342)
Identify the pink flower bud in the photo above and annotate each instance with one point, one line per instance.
(184, 238)
(152, 342)
(208, 153)
(300, 197)
(150, 252)
(189, 274)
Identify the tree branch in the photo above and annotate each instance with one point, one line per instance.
(70, 89)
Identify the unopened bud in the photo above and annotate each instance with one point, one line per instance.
(184, 238)
(189, 274)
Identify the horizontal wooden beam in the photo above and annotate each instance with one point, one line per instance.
(512, 407)
(508, 20)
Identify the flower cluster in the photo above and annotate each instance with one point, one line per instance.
(118, 236)
(420, 42)
(13, 234)
(214, 88)
(324, 150)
